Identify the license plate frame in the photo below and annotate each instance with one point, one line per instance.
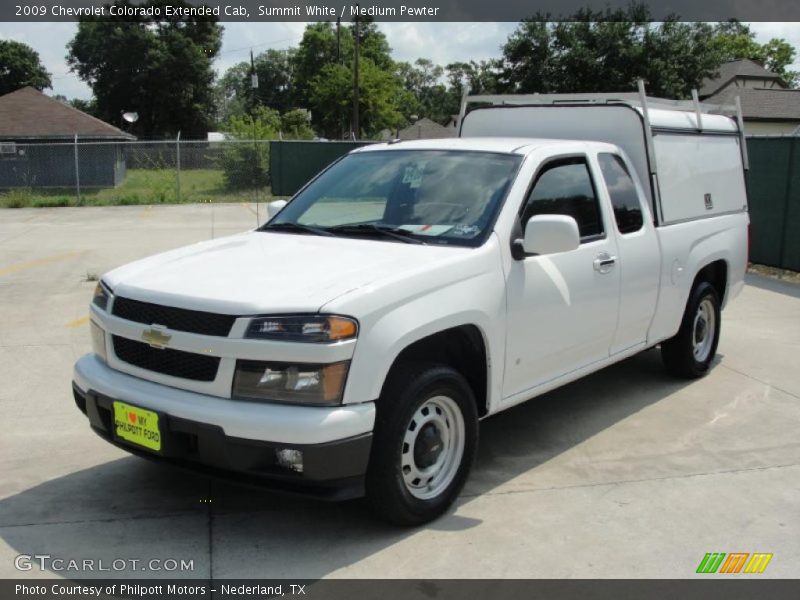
(136, 426)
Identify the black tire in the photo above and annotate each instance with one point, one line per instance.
(412, 388)
(678, 352)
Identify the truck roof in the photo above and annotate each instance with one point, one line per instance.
(505, 145)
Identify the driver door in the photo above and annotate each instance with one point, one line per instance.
(562, 308)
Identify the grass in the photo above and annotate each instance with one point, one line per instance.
(775, 272)
(141, 186)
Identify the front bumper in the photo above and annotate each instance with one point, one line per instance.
(335, 452)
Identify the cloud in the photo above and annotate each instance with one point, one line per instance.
(788, 31)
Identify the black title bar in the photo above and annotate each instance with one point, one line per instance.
(705, 587)
(404, 10)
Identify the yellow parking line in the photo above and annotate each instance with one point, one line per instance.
(250, 208)
(146, 212)
(77, 323)
(36, 263)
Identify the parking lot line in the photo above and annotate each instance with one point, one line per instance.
(146, 212)
(22, 266)
(77, 322)
(248, 207)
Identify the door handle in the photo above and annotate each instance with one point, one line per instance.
(604, 262)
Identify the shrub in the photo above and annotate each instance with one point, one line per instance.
(19, 198)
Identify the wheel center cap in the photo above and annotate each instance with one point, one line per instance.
(428, 446)
(700, 332)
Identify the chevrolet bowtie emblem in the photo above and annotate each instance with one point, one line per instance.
(156, 338)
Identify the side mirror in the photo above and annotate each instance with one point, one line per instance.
(273, 208)
(550, 234)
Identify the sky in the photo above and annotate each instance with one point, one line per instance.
(441, 42)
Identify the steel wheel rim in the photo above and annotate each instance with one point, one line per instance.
(703, 330)
(428, 481)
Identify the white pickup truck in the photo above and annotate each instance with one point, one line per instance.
(351, 345)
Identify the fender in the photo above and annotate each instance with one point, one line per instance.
(686, 249)
(393, 316)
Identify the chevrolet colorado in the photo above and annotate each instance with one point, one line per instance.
(351, 344)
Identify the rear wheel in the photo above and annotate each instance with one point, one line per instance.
(692, 350)
(424, 444)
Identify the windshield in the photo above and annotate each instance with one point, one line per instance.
(433, 196)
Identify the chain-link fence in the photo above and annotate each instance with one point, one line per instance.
(135, 172)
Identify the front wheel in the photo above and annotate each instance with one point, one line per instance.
(425, 439)
(692, 350)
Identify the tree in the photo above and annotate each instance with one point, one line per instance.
(295, 125)
(317, 50)
(381, 95)
(274, 69)
(87, 106)
(20, 66)
(159, 68)
(604, 51)
(245, 164)
(734, 40)
(429, 96)
(323, 79)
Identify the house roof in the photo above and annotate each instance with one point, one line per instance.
(27, 113)
(742, 68)
(425, 129)
(762, 103)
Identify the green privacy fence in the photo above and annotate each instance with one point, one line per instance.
(293, 163)
(773, 186)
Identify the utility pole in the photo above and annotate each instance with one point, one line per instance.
(338, 40)
(254, 87)
(355, 77)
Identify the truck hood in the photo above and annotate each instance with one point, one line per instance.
(260, 272)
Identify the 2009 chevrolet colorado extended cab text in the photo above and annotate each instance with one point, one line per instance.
(351, 344)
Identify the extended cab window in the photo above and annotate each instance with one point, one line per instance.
(621, 189)
(565, 188)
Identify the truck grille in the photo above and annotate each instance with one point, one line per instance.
(180, 319)
(176, 363)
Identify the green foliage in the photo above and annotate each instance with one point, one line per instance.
(295, 125)
(246, 164)
(381, 94)
(324, 79)
(87, 106)
(236, 97)
(141, 186)
(602, 51)
(161, 69)
(428, 95)
(18, 198)
(20, 66)
(734, 40)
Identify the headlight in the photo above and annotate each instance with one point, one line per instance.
(284, 382)
(101, 296)
(303, 328)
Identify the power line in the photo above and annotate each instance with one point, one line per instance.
(294, 37)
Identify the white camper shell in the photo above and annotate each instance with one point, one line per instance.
(694, 160)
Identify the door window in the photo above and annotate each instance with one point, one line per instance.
(565, 187)
(622, 191)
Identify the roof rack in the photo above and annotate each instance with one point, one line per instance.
(637, 99)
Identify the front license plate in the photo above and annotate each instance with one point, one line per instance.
(137, 426)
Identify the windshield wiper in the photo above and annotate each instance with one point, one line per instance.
(296, 227)
(383, 230)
